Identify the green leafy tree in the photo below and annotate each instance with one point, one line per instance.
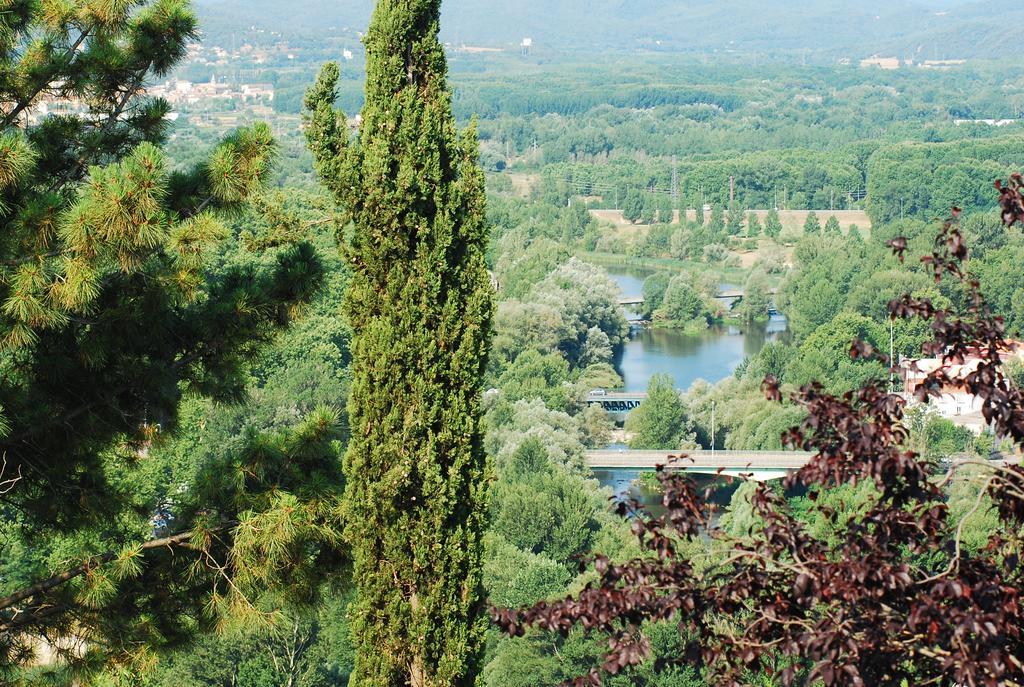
(772, 224)
(771, 360)
(420, 305)
(520, 269)
(679, 242)
(541, 508)
(935, 437)
(111, 309)
(666, 213)
(309, 649)
(825, 354)
(514, 576)
(1014, 371)
(832, 226)
(698, 239)
(754, 227)
(740, 519)
(812, 227)
(597, 423)
(756, 297)
(654, 292)
(649, 212)
(536, 375)
(658, 240)
(717, 223)
(734, 227)
(975, 510)
(683, 301)
(633, 206)
(660, 422)
(558, 433)
(586, 298)
(715, 252)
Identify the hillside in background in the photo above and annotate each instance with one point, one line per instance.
(927, 29)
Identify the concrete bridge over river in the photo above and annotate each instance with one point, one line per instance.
(761, 465)
(731, 295)
(616, 401)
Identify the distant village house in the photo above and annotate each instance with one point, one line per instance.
(954, 402)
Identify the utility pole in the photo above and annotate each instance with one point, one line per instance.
(712, 426)
(675, 182)
(892, 354)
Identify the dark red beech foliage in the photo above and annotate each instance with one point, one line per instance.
(891, 597)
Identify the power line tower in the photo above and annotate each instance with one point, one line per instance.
(675, 182)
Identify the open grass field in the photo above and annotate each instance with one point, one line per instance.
(792, 220)
(523, 182)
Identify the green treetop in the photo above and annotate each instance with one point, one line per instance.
(683, 302)
(772, 224)
(832, 226)
(734, 226)
(633, 206)
(654, 288)
(649, 212)
(666, 213)
(753, 225)
(110, 310)
(660, 422)
(812, 225)
(717, 222)
(419, 305)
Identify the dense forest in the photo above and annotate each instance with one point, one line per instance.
(311, 405)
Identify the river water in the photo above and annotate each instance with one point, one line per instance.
(712, 356)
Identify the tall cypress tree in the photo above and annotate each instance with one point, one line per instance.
(420, 306)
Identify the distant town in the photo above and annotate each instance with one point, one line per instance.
(218, 87)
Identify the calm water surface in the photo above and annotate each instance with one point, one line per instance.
(712, 355)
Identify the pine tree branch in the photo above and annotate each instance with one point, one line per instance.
(64, 62)
(202, 206)
(121, 104)
(15, 262)
(36, 615)
(89, 405)
(181, 539)
(81, 163)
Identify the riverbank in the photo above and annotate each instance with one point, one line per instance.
(711, 354)
(733, 275)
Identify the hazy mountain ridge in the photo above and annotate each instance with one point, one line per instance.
(928, 28)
